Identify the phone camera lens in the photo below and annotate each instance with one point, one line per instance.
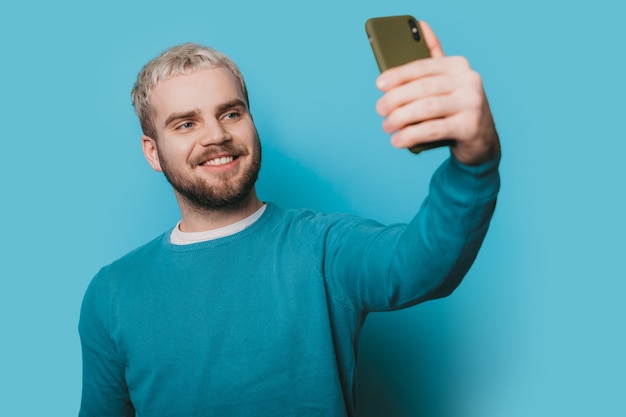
(414, 30)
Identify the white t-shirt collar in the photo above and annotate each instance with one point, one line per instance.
(187, 238)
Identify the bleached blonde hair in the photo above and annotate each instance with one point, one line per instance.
(180, 59)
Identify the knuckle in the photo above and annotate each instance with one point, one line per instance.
(475, 78)
(461, 62)
(470, 98)
(474, 100)
(431, 107)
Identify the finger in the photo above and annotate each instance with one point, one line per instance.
(421, 68)
(429, 108)
(434, 46)
(424, 87)
(450, 95)
(421, 133)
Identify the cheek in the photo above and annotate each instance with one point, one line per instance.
(175, 150)
(168, 157)
(248, 132)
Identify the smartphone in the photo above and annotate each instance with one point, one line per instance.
(398, 40)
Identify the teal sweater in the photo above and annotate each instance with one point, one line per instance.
(266, 322)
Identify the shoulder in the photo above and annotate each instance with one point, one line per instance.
(133, 260)
(308, 217)
(316, 225)
(143, 252)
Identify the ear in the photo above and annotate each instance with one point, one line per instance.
(150, 152)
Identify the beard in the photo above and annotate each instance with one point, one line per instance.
(227, 192)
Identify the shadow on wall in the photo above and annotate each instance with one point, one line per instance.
(403, 364)
(401, 353)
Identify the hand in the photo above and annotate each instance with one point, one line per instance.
(436, 99)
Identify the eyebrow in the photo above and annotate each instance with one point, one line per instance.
(231, 104)
(181, 115)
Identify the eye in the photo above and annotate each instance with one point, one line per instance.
(232, 115)
(185, 126)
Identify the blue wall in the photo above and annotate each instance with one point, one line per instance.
(537, 328)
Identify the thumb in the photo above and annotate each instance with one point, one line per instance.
(431, 40)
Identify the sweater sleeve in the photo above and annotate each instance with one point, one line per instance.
(104, 393)
(375, 268)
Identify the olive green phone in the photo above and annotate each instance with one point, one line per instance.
(395, 40)
(398, 40)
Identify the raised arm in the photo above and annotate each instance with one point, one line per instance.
(427, 100)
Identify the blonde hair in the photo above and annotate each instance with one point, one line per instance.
(180, 59)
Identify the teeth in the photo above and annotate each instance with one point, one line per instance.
(220, 161)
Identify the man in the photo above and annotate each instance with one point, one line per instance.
(248, 309)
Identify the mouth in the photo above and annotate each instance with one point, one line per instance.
(219, 160)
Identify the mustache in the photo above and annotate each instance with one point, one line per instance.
(212, 151)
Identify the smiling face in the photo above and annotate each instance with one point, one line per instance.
(206, 143)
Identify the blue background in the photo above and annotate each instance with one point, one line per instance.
(536, 329)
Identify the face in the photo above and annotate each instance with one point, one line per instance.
(206, 145)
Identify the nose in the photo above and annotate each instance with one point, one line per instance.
(214, 133)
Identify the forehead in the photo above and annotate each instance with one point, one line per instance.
(204, 89)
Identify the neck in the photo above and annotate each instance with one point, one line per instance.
(195, 219)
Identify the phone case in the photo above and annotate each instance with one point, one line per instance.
(398, 40)
(395, 40)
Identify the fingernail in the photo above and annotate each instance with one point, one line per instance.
(381, 83)
(381, 109)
